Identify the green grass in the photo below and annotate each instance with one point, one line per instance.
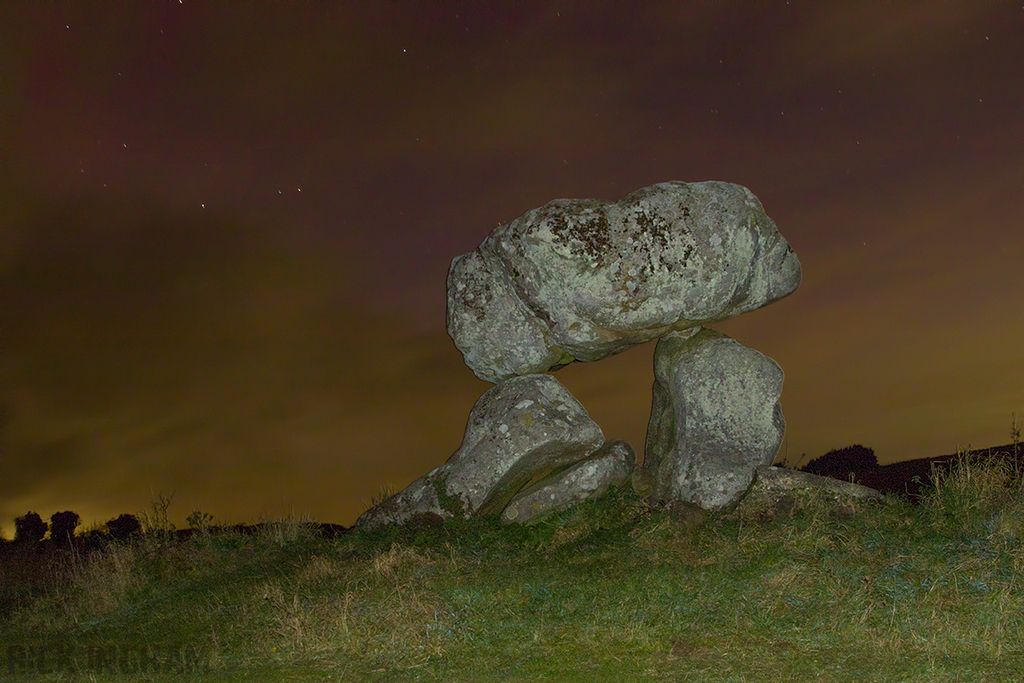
(606, 592)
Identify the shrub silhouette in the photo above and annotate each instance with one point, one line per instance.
(123, 527)
(62, 527)
(29, 529)
(94, 538)
(840, 463)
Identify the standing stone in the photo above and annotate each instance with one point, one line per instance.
(609, 467)
(715, 419)
(519, 432)
(581, 279)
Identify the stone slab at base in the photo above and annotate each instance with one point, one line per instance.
(777, 480)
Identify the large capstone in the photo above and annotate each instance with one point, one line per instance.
(715, 419)
(581, 279)
(519, 432)
(608, 468)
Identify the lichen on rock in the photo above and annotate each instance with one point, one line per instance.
(586, 278)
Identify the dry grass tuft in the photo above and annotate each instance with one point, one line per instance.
(399, 561)
(284, 531)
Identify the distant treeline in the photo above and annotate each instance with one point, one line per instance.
(31, 531)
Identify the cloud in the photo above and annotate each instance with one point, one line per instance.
(153, 351)
(867, 34)
(42, 462)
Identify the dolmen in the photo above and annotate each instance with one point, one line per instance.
(583, 279)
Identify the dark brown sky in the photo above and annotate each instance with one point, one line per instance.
(225, 229)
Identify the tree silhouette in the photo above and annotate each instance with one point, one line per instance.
(29, 529)
(123, 527)
(842, 462)
(62, 527)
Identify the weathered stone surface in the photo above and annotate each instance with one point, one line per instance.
(715, 419)
(518, 433)
(775, 496)
(774, 481)
(584, 279)
(609, 467)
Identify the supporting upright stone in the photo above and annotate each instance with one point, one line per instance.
(715, 419)
(519, 432)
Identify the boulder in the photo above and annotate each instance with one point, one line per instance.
(609, 467)
(773, 493)
(775, 481)
(581, 279)
(518, 433)
(715, 419)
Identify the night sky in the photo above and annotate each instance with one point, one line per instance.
(225, 228)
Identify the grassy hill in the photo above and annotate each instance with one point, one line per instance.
(811, 589)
